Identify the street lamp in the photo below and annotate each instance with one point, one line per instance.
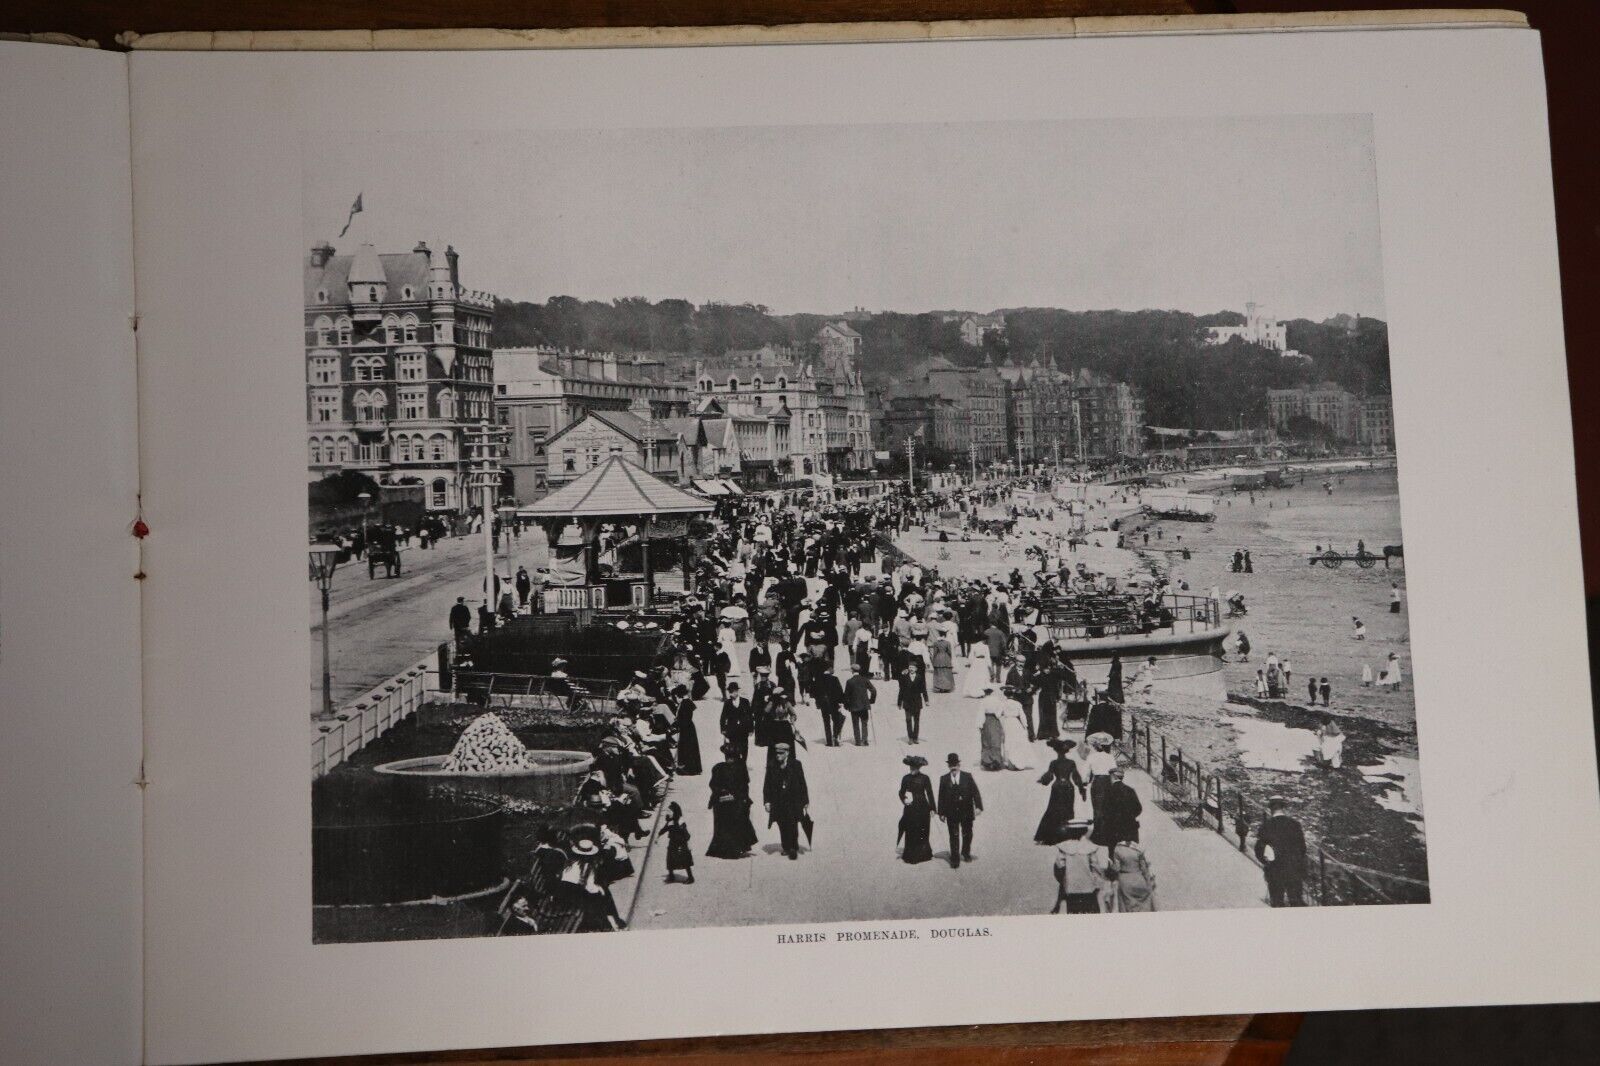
(324, 559)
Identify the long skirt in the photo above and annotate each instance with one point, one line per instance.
(992, 735)
(732, 835)
(1049, 720)
(944, 679)
(688, 750)
(914, 827)
(1061, 809)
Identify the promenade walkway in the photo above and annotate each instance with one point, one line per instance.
(852, 872)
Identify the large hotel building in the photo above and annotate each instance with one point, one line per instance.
(397, 364)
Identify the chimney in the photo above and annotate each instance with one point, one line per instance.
(422, 246)
(455, 265)
(320, 254)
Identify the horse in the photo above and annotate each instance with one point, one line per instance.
(1392, 551)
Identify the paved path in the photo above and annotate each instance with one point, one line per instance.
(380, 626)
(852, 873)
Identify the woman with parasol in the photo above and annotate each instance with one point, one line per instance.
(916, 808)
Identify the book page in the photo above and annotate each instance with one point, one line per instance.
(70, 883)
(951, 439)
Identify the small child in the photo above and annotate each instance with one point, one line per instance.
(1327, 691)
(1366, 675)
(1311, 689)
(1261, 684)
(679, 855)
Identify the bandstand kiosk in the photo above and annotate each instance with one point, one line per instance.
(616, 493)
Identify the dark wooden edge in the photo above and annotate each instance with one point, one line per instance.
(1225, 1040)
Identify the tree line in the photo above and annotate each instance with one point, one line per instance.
(1184, 382)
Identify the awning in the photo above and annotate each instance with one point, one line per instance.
(732, 488)
(709, 487)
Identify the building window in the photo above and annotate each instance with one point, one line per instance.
(372, 294)
(325, 407)
(402, 449)
(370, 405)
(440, 493)
(391, 330)
(447, 404)
(324, 369)
(783, 383)
(437, 446)
(406, 292)
(414, 404)
(410, 328)
(322, 296)
(344, 331)
(409, 366)
(324, 328)
(569, 460)
(316, 452)
(733, 384)
(346, 450)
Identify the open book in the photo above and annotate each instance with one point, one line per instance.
(798, 531)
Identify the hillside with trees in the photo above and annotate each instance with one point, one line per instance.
(1185, 382)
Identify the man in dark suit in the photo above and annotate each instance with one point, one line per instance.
(1286, 867)
(859, 696)
(959, 803)
(786, 798)
(829, 695)
(737, 721)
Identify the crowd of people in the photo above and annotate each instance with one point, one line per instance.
(801, 608)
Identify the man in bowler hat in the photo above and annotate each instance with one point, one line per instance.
(959, 803)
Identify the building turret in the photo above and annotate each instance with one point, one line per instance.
(368, 283)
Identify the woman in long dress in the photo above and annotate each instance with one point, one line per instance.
(991, 733)
(688, 735)
(1132, 887)
(732, 835)
(1017, 750)
(916, 799)
(1390, 676)
(1066, 788)
(728, 644)
(943, 658)
(978, 680)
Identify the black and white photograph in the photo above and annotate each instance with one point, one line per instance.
(815, 524)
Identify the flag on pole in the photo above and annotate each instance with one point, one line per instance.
(355, 209)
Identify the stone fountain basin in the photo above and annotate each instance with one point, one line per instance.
(552, 781)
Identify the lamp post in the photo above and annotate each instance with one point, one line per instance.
(324, 560)
(366, 516)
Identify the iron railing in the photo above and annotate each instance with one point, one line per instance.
(1198, 797)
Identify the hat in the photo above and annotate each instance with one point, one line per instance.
(729, 748)
(914, 761)
(558, 662)
(584, 848)
(641, 675)
(784, 744)
(952, 759)
(1062, 745)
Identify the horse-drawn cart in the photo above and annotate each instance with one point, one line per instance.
(1364, 559)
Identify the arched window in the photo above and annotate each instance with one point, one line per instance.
(756, 384)
(406, 292)
(439, 494)
(316, 452)
(344, 330)
(409, 327)
(733, 384)
(439, 446)
(403, 449)
(346, 450)
(783, 382)
(324, 326)
(322, 296)
(447, 404)
(391, 329)
(372, 294)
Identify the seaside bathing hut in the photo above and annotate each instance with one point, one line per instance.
(615, 493)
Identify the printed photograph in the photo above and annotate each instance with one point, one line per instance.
(806, 525)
